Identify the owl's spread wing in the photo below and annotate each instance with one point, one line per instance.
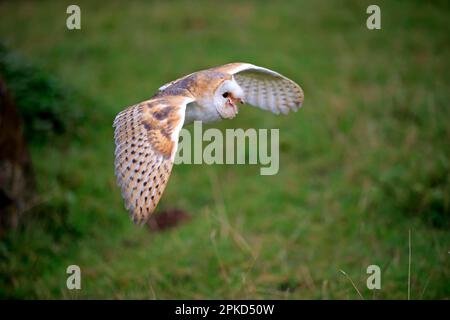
(146, 137)
(165, 86)
(264, 88)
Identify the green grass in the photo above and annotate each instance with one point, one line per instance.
(364, 161)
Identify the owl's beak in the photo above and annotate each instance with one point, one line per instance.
(236, 100)
(232, 102)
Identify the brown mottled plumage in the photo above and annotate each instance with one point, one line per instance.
(146, 134)
(144, 150)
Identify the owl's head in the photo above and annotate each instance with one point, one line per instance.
(226, 97)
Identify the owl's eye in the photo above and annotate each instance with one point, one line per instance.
(226, 94)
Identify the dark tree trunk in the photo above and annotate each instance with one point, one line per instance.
(16, 174)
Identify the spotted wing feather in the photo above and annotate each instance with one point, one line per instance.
(146, 137)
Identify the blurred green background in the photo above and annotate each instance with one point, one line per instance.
(365, 160)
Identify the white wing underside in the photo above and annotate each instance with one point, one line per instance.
(266, 89)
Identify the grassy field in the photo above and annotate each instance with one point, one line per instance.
(366, 160)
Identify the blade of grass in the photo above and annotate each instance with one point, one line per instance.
(353, 284)
(409, 264)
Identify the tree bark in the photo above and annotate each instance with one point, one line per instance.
(16, 174)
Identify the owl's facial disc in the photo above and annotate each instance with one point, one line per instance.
(230, 94)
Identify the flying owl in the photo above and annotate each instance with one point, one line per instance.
(146, 134)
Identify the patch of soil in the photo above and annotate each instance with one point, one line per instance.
(167, 219)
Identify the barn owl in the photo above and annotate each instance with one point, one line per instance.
(146, 134)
